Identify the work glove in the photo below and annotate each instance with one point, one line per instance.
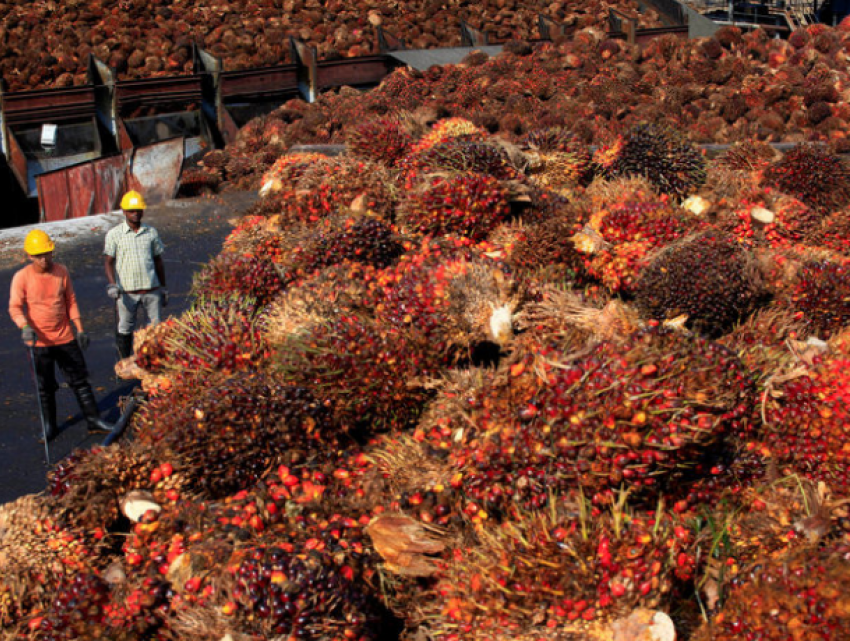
(28, 335)
(164, 296)
(83, 340)
(113, 291)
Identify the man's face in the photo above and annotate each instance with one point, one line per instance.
(133, 216)
(42, 262)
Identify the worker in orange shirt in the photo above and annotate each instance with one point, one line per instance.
(43, 306)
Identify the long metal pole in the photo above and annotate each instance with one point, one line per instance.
(38, 397)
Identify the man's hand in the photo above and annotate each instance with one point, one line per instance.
(164, 296)
(28, 335)
(113, 291)
(83, 340)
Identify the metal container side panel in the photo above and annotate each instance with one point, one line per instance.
(155, 170)
(81, 189)
(109, 182)
(53, 196)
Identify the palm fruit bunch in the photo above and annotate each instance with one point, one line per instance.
(225, 434)
(152, 353)
(447, 129)
(834, 233)
(728, 289)
(338, 289)
(301, 593)
(560, 570)
(241, 274)
(812, 174)
(384, 140)
(461, 155)
(802, 595)
(454, 303)
(766, 520)
(329, 185)
(370, 374)
(762, 340)
(214, 335)
(286, 171)
(659, 153)
(779, 222)
(399, 474)
(748, 155)
(86, 490)
(821, 294)
(560, 160)
(630, 412)
(38, 553)
(77, 610)
(344, 237)
(309, 576)
(627, 232)
(805, 412)
(197, 181)
(470, 205)
(544, 251)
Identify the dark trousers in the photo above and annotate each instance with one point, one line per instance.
(69, 358)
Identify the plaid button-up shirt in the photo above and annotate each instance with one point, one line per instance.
(134, 253)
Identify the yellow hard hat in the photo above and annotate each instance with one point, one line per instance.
(132, 200)
(38, 242)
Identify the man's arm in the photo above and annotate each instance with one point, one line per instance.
(109, 266)
(17, 301)
(159, 267)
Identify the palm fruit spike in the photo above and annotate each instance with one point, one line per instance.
(631, 229)
(469, 205)
(33, 545)
(670, 162)
(833, 233)
(729, 287)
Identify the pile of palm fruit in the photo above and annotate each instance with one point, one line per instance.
(732, 87)
(48, 43)
(454, 386)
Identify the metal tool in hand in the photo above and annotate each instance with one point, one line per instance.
(31, 350)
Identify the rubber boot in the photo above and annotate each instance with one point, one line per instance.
(85, 397)
(125, 344)
(48, 411)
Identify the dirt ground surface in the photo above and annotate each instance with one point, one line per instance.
(192, 231)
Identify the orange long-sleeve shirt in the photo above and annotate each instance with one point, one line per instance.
(46, 302)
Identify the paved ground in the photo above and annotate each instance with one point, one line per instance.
(192, 231)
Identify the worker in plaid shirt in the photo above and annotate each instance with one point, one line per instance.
(135, 271)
